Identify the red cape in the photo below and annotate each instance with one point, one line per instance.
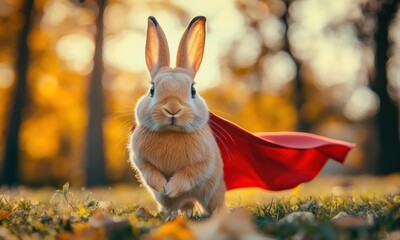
(272, 161)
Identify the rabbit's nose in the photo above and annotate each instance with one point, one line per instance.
(172, 111)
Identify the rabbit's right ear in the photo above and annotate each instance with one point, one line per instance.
(157, 52)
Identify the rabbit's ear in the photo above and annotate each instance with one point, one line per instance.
(157, 52)
(191, 46)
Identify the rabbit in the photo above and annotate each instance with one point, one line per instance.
(172, 147)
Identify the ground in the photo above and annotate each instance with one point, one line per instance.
(362, 207)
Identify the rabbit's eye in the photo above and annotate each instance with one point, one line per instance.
(152, 91)
(193, 91)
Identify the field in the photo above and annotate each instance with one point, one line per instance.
(361, 207)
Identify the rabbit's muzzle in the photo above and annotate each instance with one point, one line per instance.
(172, 110)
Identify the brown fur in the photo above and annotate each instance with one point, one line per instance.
(172, 147)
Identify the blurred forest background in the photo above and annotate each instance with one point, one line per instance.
(71, 72)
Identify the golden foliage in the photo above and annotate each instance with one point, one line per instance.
(53, 132)
(116, 135)
(267, 113)
(38, 39)
(176, 229)
(38, 137)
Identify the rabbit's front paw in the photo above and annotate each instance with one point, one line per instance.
(157, 182)
(176, 186)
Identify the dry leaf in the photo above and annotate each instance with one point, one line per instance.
(340, 215)
(344, 220)
(296, 216)
(176, 230)
(66, 236)
(224, 225)
(98, 226)
(86, 231)
(4, 214)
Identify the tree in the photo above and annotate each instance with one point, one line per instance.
(299, 96)
(10, 171)
(387, 119)
(95, 159)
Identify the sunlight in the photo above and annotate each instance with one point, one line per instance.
(362, 103)
(247, 50)
(125, 43)
(278, 70)
(248, 75)
(205, 7)
(125, 51)
(112, 16)
(47, 86)
(55, 12)
(227, 25)
(303, 38)
(272, 30)
(310, 13)
(77, 50)
(6, 75)
(38, 137)
(315, 15)
(340, 9)
(335, 62)
(329, 46)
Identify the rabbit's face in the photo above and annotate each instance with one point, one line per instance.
(172, 104)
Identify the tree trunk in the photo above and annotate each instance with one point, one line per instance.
(299, 97)
(95, 165)
(387, 119)
(10, 171)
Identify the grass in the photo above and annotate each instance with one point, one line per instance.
(370, 216)
(327, 208)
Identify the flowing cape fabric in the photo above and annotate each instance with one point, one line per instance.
(272, 161)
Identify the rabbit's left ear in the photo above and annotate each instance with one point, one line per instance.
(191, 46)
(157, 51)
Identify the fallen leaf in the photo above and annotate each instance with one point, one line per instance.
(105, 205)
(86, 231)
(296, 216)
(350, 221)
(237, 224)
(176, 230)
(66, 236)
(305, 205)
(340, 215)
(4, 214)
(308, 205)
(99, 226)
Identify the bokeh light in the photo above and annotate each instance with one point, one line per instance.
(7, 75)
(268, 66)
(77, 50)
(278, 69)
